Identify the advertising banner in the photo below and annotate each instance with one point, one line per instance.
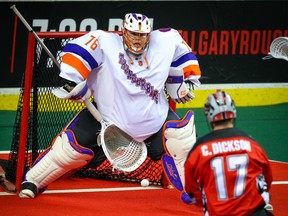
(228, 37)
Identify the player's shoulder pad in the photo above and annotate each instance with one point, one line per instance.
(181, 122)
(165, 31)
(104, 37)
(164, 35)
(99, 32)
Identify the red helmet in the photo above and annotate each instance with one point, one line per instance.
(219, 106)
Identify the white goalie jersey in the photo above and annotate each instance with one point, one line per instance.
(129, 89)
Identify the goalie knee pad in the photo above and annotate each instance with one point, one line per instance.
(179, 138)
(62, 157)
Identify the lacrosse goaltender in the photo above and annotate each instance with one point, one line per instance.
(128, 76)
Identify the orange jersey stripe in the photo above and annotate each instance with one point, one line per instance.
(75, 63)
(192, 70)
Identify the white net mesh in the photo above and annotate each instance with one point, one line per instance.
(124, 152)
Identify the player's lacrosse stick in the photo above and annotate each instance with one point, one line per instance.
(278, 49)
(123, 152)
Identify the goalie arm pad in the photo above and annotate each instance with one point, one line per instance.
(78, 93)
(180, 90)
(179, 138)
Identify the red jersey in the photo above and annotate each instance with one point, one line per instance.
(221, 173)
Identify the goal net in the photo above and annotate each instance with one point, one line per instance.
(40, 116)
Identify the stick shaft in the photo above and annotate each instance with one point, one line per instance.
(92, 109)
(87, 102)
(13, 7)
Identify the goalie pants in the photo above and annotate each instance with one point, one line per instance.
(86, 129)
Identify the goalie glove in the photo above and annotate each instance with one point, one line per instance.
(179, 89)
(79, 93)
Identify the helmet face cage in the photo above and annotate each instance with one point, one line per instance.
(136, 32)
(219, 106)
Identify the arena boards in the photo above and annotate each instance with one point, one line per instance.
(254, 94)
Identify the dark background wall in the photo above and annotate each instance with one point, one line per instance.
(229, 37)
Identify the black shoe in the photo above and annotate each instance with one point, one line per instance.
(28, 190)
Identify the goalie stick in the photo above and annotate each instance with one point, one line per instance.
(13, 7)
(123, 152)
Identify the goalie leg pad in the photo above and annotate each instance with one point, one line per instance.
(64, 155)
(171, 172)
(179, 138)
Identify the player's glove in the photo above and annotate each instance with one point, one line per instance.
(180, 90)
(262, 188)
(261, 184)
(79, 93)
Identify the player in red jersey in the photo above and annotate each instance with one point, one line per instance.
(227, 172)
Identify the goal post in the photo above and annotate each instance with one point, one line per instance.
(37, 107)
(40, 116)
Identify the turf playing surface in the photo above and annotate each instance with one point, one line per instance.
(267, 124)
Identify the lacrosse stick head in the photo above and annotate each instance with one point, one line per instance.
(123, 152)
(278, 49)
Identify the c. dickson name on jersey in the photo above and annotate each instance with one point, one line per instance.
(225, 146)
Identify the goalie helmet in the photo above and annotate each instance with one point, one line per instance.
(136, 32)
(219, 106)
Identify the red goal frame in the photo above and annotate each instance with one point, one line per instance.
(26, 95)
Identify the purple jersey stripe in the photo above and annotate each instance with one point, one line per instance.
(183, 59)
(78, 148)
(76, 49)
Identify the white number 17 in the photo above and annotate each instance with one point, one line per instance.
(237, 163)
